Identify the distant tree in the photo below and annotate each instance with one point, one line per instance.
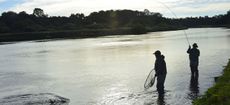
(9, 14)
(4, 28)
(39, 13)
(138, 21)
(9, 18)
(139, 29)
(23, 14)
(157, 14)
(147, 12)
(77, 16)
(226, 18)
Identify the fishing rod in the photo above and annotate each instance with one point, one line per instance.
(150, 80)
(176, 17)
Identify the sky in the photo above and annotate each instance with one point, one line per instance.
(181, 8)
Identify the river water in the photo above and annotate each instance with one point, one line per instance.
(111, 70)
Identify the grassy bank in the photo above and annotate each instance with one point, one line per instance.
(219, 94)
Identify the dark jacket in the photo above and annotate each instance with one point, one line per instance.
(193, 54)
(160, 65)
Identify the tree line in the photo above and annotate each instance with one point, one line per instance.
(12, 22)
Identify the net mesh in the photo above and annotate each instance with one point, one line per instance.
(149, 82)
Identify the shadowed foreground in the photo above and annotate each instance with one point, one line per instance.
(220, 93)
(34, 99)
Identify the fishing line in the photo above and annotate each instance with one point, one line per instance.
(176, 17)
(149, 82)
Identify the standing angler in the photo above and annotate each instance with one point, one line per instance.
(161, 71)
(194, 54)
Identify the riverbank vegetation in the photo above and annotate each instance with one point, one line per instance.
(219, 94)
(23, 26)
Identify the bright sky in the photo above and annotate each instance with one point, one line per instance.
(182, 8)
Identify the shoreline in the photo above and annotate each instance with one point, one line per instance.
(76, 34)
(83, 33)
(219, 93)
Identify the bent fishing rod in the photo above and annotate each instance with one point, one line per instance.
(150, 83)
(186, 36)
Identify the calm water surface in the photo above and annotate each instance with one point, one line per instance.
(111, 70)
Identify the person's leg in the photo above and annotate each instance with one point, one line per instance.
(196, 69)
(192, 69)
(163, 81)
(160, 85)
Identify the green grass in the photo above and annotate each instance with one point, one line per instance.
(219, 94)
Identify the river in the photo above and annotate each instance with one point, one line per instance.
(111, 70)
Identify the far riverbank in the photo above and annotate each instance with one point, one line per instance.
(87, 33)
(75, 34)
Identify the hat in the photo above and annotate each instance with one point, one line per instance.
(194, 45)
(157, 52)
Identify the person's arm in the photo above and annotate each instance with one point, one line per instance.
(156, 67)
(189, 49)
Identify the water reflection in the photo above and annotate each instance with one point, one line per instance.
(194, 87)
(111, 70)
(161, 99)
